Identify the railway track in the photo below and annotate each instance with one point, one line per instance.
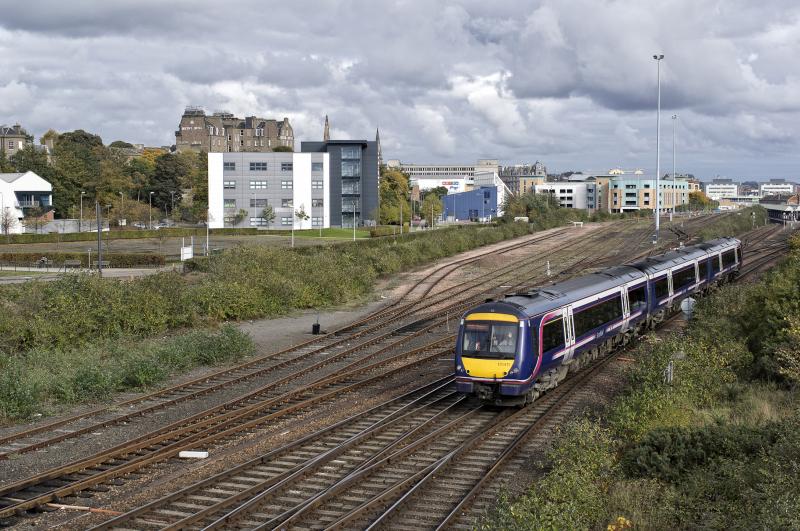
(285, 366)
(373, 464)
(210, 429)
(164, 443)
(29, 440)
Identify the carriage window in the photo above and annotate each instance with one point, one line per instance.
(728, 258)
(682, 278)
(637, 298)
(661, 287)
(490, 340)
(552, 335)
(715, 264)
(703, 270)
(590, 318)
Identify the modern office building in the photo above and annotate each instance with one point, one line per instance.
(22, 194)
(455, 177)
(353, 170)
(222, 132)
(295, 185)
(581, 195)
(721, 189)
(479, 204)
(626, 193)
(776, 187)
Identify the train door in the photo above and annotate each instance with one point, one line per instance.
(626, 308)
(569, 333)
(671, 287)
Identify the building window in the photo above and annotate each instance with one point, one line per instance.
(258, 222)
(230, 203)
(258, 185)
(351, 152)
(286, 166)
(316, 166)
(286, 185)
(316, 222)
(258, 166)
(316, 203)
(316, 185)
(229, 185)
(351, 168)
(258, 203)
(286, 220)
(229, 166)
(287, 203)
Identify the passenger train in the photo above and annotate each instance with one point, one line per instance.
(510, 351)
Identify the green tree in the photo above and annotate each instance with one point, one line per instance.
(282, 149)
(76, 156)
(268, 214)
(5, 164)
(431, 208)
(393, 192)
(170, 171)
(120, 144)
(31, 159)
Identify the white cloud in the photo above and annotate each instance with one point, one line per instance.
(569, 83)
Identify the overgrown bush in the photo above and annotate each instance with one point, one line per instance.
(34, 382)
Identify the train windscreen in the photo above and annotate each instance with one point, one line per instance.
(490, 340)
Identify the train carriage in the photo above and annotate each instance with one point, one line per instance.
(510, 351)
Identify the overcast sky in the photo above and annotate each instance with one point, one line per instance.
(569, 82)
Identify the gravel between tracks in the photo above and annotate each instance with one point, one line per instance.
(269, 335)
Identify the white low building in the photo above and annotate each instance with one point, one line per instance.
(20, 192)
(571, 194)
(776, 187)
(721, 189)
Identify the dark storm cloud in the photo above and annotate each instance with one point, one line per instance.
(571, 83)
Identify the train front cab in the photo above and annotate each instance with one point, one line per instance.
(489, 349)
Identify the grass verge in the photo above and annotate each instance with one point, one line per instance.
(37, 382)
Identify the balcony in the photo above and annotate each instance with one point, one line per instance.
(28, 204)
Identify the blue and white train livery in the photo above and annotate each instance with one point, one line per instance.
(509, 351)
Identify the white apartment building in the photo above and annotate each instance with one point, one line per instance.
(19, 192)
(288, 182)
(776, 187)
(722, 189)
(571, 194)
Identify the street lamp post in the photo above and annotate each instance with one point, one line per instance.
(80, 220)
(122, 206)
(150, 212)
(674, 174)
(172, 203)
(658, 58)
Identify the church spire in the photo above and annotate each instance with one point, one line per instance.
(326, 135)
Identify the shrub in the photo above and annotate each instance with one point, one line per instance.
(34, 382)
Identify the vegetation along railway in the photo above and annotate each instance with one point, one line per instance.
(341, 466)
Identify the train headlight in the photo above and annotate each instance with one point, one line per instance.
(458, 367)
(515, 370)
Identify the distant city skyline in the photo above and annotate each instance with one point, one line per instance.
(571, 84)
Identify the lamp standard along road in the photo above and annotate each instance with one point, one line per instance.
(674, 121)
(80, 220)
(150, 212)
(658, 58)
